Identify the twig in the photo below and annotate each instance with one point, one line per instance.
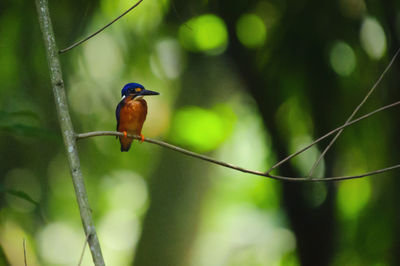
(354, 113)
(67, 129)
(332, 132)
(83, 250)
(24, 246)
(267, 174)
(231, 166)
(100, 30)
(178, 15)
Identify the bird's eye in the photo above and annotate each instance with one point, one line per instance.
(138, 89)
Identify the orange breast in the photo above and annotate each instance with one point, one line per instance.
(132, 116)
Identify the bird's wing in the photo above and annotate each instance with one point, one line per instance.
(118, 110)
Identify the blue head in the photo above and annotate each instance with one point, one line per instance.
(136, 89)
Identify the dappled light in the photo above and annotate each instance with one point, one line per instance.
(373, 38)
(168, 59)
(120, 229)
(342, 58)
(242, 235)
(352, 198)
(11, 239)
(205, 33)
(248, 144)
(251, 31)
(105, 57)
(59, 242)
(245, 82)
(202, 129)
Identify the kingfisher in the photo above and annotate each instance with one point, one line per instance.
(131, 112)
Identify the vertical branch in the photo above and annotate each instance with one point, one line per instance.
(67, 129)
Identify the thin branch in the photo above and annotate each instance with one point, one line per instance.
(231, 166)
(336, 178)
(100, 30)
(67, 129)
(354, 112)
(330, 133)
(24, 246)
(83, 251)
(244, 170)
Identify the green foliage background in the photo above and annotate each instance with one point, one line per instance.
(247, 82)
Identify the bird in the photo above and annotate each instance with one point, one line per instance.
(131, 113)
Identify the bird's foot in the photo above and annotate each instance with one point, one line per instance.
(142, 138)
(125, 134)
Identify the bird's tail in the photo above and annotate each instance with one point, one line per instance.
(125, 143)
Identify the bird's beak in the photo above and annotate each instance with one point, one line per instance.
(148, 92)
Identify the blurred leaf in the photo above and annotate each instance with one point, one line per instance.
(28, 131)
(19, 194)
(19, 113)
(24, 123)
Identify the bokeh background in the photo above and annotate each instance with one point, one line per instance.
(247, 82)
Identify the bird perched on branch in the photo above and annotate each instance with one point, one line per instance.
(131, 112)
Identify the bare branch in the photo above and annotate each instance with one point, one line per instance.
(335, 178)
(83, 251)
(24, 246)
(354, 113)
(332, 132)
(244, 170)
(67, 129)
(100, 30)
